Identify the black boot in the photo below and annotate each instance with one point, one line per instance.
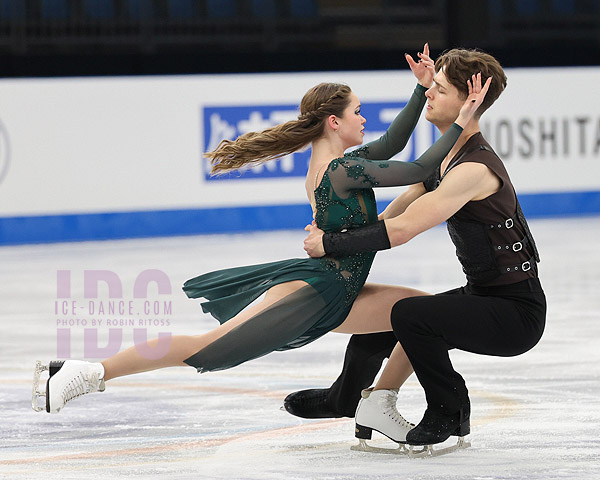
(362, 362)
(310, 404)
(437, 426)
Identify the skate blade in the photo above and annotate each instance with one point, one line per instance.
(412, 451)
(429, 451)
(36, 393)
(363, 446)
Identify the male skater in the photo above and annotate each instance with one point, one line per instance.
(501, 311)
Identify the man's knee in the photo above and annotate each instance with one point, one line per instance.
(405, 315)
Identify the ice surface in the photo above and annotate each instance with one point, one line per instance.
(536, 416)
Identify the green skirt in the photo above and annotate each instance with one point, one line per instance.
(294, 321)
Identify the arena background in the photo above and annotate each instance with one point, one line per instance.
(107, 105)
(105, 109)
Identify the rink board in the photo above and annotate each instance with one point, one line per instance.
(106, 226)
(101, 158)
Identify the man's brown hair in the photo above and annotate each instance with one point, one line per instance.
(460, 64)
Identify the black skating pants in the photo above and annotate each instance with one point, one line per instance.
(501, 321)
(364, 357)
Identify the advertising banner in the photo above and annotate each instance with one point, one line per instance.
(87, 158)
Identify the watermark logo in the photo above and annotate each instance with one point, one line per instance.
(4, 151)
(106, 309)
(229, 122)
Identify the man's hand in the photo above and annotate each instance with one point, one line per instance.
(313, 244)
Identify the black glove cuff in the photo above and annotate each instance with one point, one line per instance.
(370, 238)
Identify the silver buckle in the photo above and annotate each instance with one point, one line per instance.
(517, 247)
(526, 266)
(509, 223)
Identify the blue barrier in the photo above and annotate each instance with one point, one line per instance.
(119, 225)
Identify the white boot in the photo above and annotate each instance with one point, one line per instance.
(377, 411)
(71, 379)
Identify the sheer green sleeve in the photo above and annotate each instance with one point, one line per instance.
(398, 133)
(350, 172)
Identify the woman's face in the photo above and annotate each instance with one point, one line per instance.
(352, 123)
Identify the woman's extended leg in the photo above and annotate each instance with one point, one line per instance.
(72, 378)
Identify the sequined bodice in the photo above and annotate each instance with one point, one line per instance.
(335, 214)
(345, 199)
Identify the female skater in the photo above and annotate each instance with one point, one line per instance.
(305, 298)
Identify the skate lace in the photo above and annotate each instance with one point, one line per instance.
(80, 385)
(389, 403)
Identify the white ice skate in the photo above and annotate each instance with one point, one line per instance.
(67, 380)
(377, 411)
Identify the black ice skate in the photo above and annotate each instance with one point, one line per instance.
(309, 404)
(436, 427)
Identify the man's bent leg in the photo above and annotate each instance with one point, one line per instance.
(428, 327)
(363, 360)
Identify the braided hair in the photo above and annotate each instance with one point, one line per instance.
(254, 148)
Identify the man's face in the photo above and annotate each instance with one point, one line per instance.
(444, 101)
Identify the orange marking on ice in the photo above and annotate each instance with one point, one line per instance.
(171, 447)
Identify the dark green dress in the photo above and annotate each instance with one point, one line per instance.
(344, 200)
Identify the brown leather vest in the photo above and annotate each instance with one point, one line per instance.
(493, 242)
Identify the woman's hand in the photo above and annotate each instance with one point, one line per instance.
(313, 244)
(474, 100)
(424, 69)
